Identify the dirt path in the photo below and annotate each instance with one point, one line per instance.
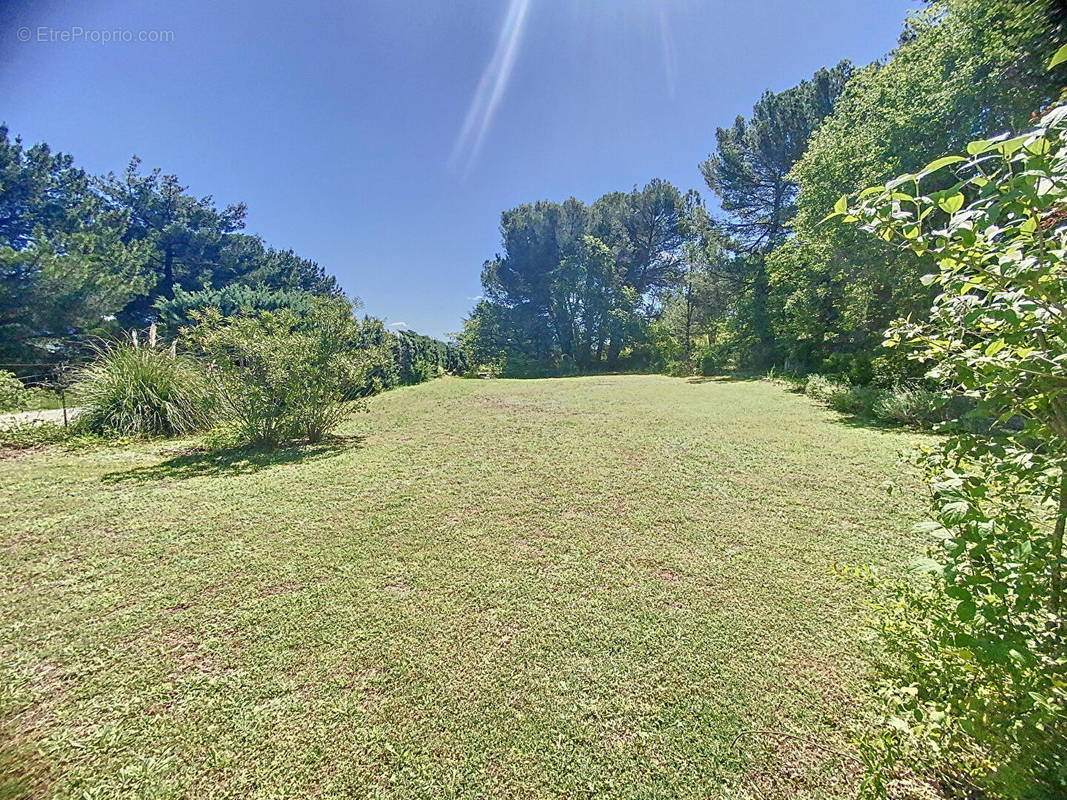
(47, 415)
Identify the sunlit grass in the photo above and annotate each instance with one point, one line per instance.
(565, 588)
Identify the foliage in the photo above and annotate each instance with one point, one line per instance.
(964, 68)
(711, 359)
(282, 377)
(13, 395)
(981, 690)
(576, 284)
(916, 406)
(134, 388)
(909, 405)
(230, 300)
(749, 171)
(823, 389)
(83, 257)
(421, 358)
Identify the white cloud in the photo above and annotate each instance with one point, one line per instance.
(398, 325)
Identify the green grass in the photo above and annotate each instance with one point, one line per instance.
(579, 587)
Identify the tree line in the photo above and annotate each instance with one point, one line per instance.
(85, 258)
(652, 280)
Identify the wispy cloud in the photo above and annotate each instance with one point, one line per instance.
(491, 87)
(477, 298)
(398, 325)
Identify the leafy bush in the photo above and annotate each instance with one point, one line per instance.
(13, 395)
(857, 400)
(915, 406)
(823, 389)
(852, 368)
(136, 389)
(711, 359)
(893, 368)
(281, 377)
(232, 299)
(977, 689)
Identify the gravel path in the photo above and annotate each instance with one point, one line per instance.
(48, 415)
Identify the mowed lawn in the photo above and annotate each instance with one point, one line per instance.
(581, 587)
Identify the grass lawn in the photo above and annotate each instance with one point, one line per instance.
(580, 587)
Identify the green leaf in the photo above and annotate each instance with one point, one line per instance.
(944, 161)
(966, 610)
(1059, 57)
(841, 206)
(994, 347)
(952, 203)
(982, 145)
(955, 512)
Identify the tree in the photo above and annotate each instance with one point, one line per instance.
(81, 256)
(187, 235)
(279, 376)
(695, 307)
(247, 261)
(574, 283)
(750, 172)
(964, 69)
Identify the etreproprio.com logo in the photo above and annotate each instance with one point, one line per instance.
(77, 34)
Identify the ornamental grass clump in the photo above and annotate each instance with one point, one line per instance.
(136, 389)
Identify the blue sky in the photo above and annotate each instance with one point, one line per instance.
(384, 138)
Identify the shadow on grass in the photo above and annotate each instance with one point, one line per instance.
(202, 462)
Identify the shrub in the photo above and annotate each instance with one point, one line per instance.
(915, 406)
(281, 377)
(977, 691)
(180, 310)
(134, 389)
(858, 400)
(677, 369)
(893, 368)
(853, 367)
(823, 389)
(13, 395)
(711, 359)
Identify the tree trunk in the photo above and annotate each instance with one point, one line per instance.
(168, 275)
(1056, 593)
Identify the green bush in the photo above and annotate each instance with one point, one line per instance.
(136, 390)
(280, 377)
(854, 368)
(976, 689)
(893, 368)
(857, 400)
(913, 406)
(13, 395)
(711, 359)
(823, 389)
